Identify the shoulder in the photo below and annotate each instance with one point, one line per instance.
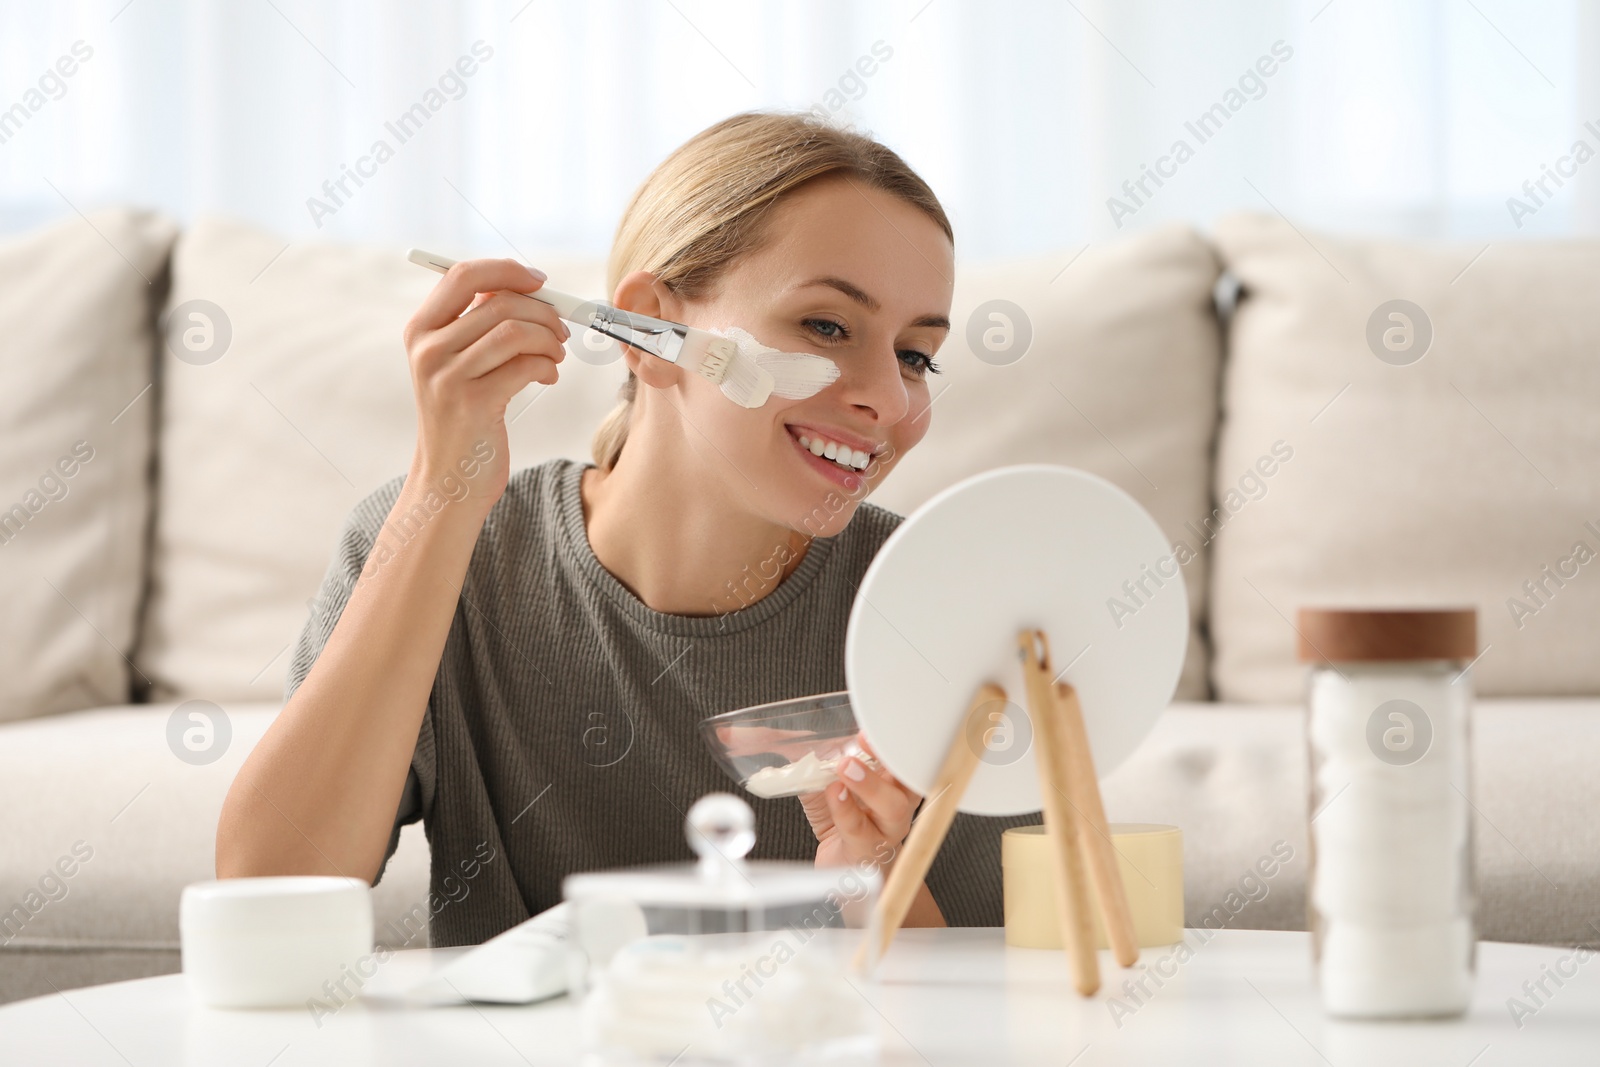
(534, 497)
(527, 534)
(544, 478)
(531, 493)
(366, 518)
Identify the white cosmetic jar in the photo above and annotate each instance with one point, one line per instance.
(274, 942)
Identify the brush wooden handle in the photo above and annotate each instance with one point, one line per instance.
(1061, 819)
(931, 825)
(1100, 852)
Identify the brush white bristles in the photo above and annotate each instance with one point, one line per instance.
(794, 375)
(719, 361)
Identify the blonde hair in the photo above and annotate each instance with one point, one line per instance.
(705, 205)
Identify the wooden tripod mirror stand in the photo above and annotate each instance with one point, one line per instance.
(1038, 550)
(1074, 819)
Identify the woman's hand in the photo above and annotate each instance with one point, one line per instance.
(473, 344)
(863, 817)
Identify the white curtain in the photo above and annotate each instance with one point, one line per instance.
(1423, 117)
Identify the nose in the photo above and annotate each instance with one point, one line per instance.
(873, 382)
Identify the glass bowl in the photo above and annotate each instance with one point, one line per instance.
(787, 747)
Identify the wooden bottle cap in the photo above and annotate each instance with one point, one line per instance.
(1346, 635)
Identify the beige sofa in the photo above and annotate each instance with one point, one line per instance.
(152, 592)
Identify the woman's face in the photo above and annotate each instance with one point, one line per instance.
(849, 272)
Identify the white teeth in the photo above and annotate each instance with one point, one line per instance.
(840, 454)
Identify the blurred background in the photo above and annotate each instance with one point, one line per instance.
(1417, 119)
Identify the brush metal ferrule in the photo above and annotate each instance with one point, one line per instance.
(656, 336)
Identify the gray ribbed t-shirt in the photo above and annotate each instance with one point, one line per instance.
(561, 732)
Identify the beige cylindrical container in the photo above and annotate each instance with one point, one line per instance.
(1390, 888)
(1149, 857)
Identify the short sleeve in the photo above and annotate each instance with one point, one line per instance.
(354, 545)
(410, 811)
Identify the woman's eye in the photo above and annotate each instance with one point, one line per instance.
(833, 331)
(920, 362)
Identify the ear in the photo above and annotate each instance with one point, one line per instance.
(643, 293)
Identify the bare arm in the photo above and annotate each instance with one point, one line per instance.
(319, 793)
(923, 910)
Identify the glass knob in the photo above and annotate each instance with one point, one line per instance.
(721, 827)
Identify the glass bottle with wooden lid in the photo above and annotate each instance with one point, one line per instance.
(1390, 892)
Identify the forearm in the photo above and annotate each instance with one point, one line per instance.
(318, 794)
(923, 910)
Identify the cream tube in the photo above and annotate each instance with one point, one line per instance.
(526, 963)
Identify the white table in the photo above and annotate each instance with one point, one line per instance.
(942, 997)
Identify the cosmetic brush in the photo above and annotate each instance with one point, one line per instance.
(749, 373)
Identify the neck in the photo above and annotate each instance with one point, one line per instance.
(673, 538)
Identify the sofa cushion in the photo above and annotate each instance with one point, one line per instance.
(1456, 470)
(77, 310)
(1104, 359)
(117, 825)
(306, 410)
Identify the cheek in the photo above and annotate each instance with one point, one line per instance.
(919, 419)
(734, 430)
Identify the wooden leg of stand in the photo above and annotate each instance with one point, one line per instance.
(1061, 821)
(932, 823)
(1114, 911)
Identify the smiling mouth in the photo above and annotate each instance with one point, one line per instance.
(842, 457)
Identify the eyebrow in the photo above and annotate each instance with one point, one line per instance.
(862, 297)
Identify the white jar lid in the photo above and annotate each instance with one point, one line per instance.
(275, 905)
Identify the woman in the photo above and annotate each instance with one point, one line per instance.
(521, 659)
